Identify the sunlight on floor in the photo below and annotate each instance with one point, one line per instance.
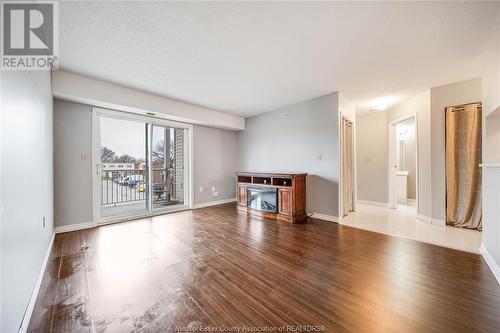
(402, 222)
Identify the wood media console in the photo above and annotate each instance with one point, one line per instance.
(278, 196)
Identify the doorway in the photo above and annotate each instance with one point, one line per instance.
(347, 167)
(403, 164)
(142, 166)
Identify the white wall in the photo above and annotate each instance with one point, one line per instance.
(491, 127)
(73, 176)
(372, 157)
(491, 175)
(26, 188)
(215, 161)
(441, 97)
(298, 138)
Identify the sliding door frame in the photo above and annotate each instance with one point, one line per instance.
(149, 121)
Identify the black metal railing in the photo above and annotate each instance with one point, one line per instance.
(132, 185)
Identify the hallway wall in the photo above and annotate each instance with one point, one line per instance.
(373, 152)
(372, 157)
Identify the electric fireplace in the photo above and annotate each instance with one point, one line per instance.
(274, 196)
(262, 198)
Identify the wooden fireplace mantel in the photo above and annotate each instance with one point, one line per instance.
(291, 190)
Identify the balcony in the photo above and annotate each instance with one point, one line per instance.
(126, 192)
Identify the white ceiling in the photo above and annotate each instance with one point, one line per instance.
(247, 58)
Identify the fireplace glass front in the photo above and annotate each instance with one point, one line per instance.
(262, 198)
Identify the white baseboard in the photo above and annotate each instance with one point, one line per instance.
(495, 269)
(430, 220)
(36, 290)
(73, 227)
(88, 225)
(424, 218)
(373, 203)
(325, 217)
(214, 203)
(438, 222)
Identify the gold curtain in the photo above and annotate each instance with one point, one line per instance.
(463, 174)
(347, 167)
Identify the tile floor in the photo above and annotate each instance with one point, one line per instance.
(402, 222)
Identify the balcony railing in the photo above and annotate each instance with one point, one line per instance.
(132, 185)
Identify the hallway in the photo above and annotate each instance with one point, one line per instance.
(403, 222)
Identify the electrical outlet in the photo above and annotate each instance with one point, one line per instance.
(43, 221)
(216, 194)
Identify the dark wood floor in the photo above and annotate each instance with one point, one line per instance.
(217, 267)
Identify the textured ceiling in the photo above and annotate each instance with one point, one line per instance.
(247, 58)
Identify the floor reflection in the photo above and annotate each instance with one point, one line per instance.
(403, 222)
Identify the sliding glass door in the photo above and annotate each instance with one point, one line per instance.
(141, 165)
(167, 167)
(123, 167)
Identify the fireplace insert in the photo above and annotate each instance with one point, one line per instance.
(262, 198)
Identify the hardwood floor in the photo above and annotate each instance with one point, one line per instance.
(217, 267)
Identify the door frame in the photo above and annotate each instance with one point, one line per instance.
(188, 167)
(343, 115)
(391, 166)
(445, 178)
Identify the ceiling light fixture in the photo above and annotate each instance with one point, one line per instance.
(382, 103)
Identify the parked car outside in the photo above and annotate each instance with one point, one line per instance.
(124, 181)
(134, 180)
